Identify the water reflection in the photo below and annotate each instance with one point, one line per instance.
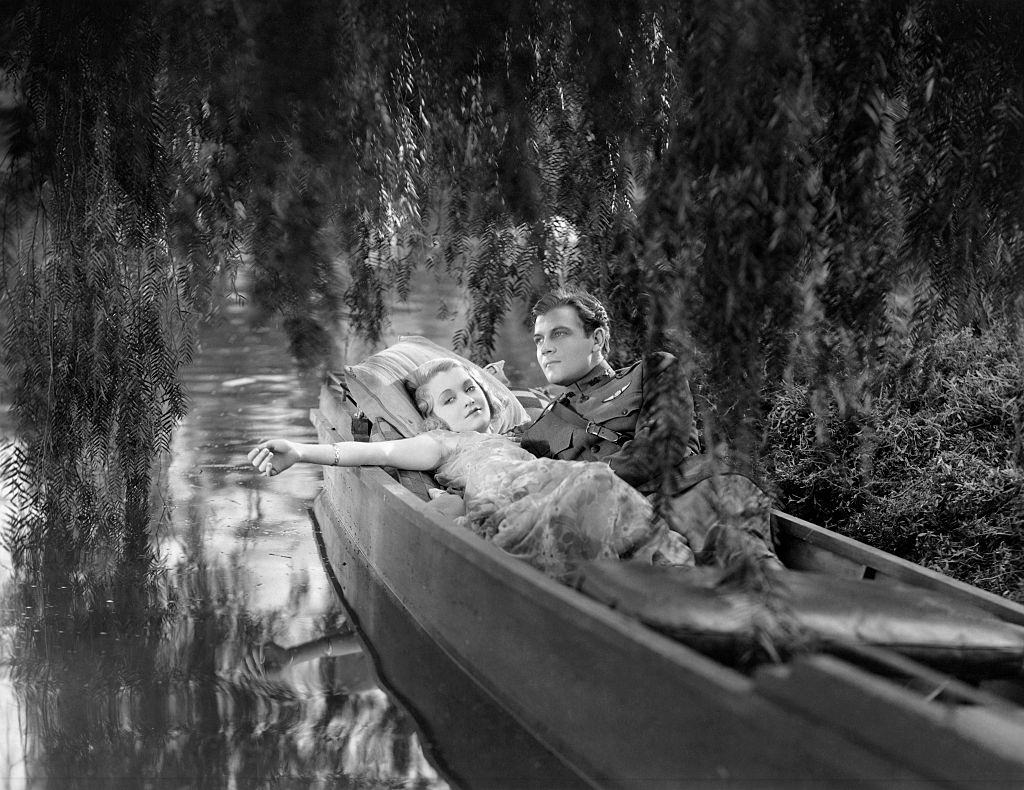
(155, 679)
(161, 684)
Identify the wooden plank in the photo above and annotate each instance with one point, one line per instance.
(789, 529)
(333, 407)
(802, 555)
(926, 681)
(328, 430)
(967, 746)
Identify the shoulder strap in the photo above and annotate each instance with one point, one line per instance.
(577, 420)
(623, 372)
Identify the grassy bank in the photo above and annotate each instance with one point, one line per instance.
(930, 467)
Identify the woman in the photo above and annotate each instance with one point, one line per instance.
(553, 514)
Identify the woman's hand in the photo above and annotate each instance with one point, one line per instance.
(274, 456)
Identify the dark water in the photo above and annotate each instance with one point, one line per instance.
(160, 682)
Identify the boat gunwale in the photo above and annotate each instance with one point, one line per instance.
(886, 564)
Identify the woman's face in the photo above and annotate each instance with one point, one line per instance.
(459, 401)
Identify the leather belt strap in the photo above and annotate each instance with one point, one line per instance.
(577, 420)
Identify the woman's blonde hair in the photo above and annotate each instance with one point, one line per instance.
(417, 381)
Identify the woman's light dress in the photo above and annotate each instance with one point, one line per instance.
(552, 514)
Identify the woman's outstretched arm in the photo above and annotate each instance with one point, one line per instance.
(420, 453)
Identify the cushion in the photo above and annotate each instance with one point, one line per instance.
(799, 610)
(377, 386)
(533, 399)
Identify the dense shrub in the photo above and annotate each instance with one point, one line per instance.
(930, 467)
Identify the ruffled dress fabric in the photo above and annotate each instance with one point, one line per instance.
(552, 514)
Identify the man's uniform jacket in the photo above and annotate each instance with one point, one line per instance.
(612, 411)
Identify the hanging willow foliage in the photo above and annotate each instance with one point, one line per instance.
(99, 279)
(762, 186)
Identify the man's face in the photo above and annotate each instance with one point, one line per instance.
(565, 352)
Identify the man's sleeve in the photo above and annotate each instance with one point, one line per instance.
(664, 430)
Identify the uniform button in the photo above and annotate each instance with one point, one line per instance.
(625, 411)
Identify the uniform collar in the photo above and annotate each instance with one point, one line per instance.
(601, 371)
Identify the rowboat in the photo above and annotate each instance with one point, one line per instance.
(571, 692)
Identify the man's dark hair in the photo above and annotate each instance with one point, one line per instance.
(588, 307)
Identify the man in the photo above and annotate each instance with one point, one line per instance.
(603, 414)
(607, 415)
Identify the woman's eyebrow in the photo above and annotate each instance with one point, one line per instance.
(445, 393)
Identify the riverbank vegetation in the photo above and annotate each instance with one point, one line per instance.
(929, 465)
(821, 202)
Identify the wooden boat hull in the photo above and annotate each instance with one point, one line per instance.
(606, 701)
(467, 735)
